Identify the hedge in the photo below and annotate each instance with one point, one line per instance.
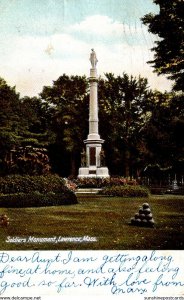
(28, 184)
(125, 191)
(35, 191)
(36, 199)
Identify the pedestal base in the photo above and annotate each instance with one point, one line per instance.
(93, 172)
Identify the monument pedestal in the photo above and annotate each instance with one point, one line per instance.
(93, 172)
(93, 168)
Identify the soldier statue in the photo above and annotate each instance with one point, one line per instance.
(93, 59)
(102, 158)
(83, 158)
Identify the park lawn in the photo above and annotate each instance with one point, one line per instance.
(106, 218)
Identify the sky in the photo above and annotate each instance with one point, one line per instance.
(42, 39)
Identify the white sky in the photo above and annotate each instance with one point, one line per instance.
(41, 40)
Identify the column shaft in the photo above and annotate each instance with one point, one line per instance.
(93, 109)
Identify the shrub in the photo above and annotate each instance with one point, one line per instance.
(125, 191)
(27, 184)
(28, 160)
(36, 199)
(91, 182)
(70, 184)
(103, 182)
(158, 191)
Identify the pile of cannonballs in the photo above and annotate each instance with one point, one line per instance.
(144, 217)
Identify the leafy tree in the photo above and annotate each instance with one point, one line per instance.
(163, 135)
(122, 103)
(9, 120)
(168, 24)
(10, 107)
(23, 122)
(68, 101)
(166, 145)
(36, 118)
(177, 137)
(29, 160)
(157, 129)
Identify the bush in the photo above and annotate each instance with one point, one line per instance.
(125, 191)
(103, 182)
(158, 191)
(27, 184)
(35, 191)
(27, 160)
(37, 200)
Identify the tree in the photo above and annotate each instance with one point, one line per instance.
(168, 24)
(23, 122)
(29, 160)
(10, 107)
(177, 121)
(36, 118)
(122, 101)
(68, 100)
(163, 135)
(9, 120)
(157, 130)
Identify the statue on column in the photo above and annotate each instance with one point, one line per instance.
(93, 58)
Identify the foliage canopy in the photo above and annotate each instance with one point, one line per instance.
(168, 25)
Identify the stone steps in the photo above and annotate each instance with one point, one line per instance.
(87, 191)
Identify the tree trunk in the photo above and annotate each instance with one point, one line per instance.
(72, 166)
(127, 163)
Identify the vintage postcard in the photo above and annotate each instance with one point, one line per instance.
(91, 149)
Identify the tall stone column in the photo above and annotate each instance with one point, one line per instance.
(93, 162)
(93, 105)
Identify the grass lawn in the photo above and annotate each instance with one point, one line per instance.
(106, 218)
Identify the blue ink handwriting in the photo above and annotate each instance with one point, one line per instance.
(120, 273)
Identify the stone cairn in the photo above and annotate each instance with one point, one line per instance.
(4, 220)
(144, 217)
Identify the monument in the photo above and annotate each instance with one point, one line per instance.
(94, 154)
